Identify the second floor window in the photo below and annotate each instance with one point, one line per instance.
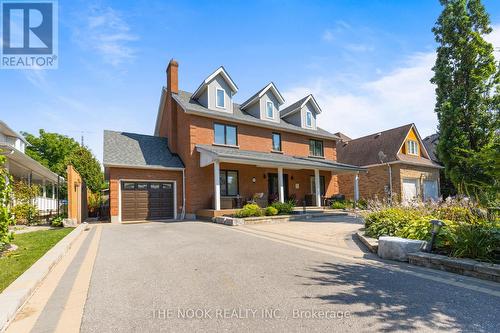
(309, 119)
(276, 142)
(269, 109)
(220, 103)
(412, 147)
(316, 148)
(225, 134)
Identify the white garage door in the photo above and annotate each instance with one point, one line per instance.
(410, 187)
(430, 190)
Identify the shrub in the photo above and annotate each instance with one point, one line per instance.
(249, 210)
(285, 208)
(271, 211)
(475, 241)
(25, 213)
(338, 205)
(387, 222)
(5, 214)
(57, 221)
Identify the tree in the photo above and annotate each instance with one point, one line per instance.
(467, 80)
(56, 151)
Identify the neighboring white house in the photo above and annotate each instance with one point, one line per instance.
(23, 167)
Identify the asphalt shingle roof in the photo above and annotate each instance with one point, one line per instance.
(186, 102)
(236, 153)
(364, 151)
(131, 149)
(293, 106)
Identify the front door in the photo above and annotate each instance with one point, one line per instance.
(273, 190)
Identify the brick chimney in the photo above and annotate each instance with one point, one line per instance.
(173, 76)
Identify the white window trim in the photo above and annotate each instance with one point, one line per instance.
(311, 124)
(217, 99)
(408, 144)
(272, 107)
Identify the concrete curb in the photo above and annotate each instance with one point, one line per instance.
(19, 291)
(466, 267)
(370, 243)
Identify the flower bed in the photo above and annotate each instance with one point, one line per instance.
(467, 232)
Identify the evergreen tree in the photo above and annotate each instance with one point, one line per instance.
(467, 79)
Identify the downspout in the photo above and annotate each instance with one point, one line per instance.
(390, 183)
(183, 213)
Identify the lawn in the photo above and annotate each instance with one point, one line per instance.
(32, 246)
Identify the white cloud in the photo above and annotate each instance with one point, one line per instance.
(327, 35)
(107, 33)
(402, 96)
(494, 38)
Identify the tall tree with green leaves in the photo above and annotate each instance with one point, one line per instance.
(56, 151)
(467, 79)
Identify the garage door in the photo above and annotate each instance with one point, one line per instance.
(147, 201)
(430, 190)
(410, 187)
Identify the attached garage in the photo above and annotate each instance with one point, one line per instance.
(146, 180)
(147, 200)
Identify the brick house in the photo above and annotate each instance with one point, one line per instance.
(209, 154)
(397, 161)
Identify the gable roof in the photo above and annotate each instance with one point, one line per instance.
(299, 105)
(430, 143)
(364, 151)
(189, 105)
(342, 136)
(138, 150)
(5, 129)
(261, 93)
(219, 71)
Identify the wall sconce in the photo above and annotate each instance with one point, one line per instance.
(254, 180)
(291, 177)
(264, 176)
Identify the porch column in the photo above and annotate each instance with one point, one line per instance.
(44, 189)
(217, 185)
(356, 188)
(317, 188)
(53, 191)
(281, 190)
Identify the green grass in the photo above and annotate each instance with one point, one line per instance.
(32, 246)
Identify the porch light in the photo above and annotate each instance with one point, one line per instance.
(436, 227)
(254, 180)
(264, 176)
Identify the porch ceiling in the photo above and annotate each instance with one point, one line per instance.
(211, 153)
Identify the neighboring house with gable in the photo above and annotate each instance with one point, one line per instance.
(209, 154)
(23, 168)
(399, 152)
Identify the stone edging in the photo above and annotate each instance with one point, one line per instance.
(234, 221)
(370, 243)
(467, 267)
(19, 291)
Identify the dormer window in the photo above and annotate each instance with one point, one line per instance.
(270, 109)
(412, 147)
(309, 119)
(220, 99)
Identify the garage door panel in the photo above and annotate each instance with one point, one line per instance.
(142, 201)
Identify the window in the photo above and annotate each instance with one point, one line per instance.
(321, 185)
(412, 147)
(225, 134)
(142, 186)
(220, 103)
(316, 148)
(128, 186)
(276, 142)
(309, 119)
(270, 109)
(229, 183)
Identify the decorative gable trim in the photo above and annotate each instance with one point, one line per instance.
(420, 142)
(261, 93)
(222, 72)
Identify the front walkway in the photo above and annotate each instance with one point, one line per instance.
(157, 276)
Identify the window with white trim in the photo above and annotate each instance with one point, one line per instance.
(269, 109)
(412, 147)
(309, 119)
(220, 98)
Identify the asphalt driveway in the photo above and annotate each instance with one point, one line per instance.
(196, 276)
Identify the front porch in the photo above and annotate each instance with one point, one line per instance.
(240, 177)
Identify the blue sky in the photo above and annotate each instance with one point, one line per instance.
(367, 62)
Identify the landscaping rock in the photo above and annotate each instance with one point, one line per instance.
(396, 248)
